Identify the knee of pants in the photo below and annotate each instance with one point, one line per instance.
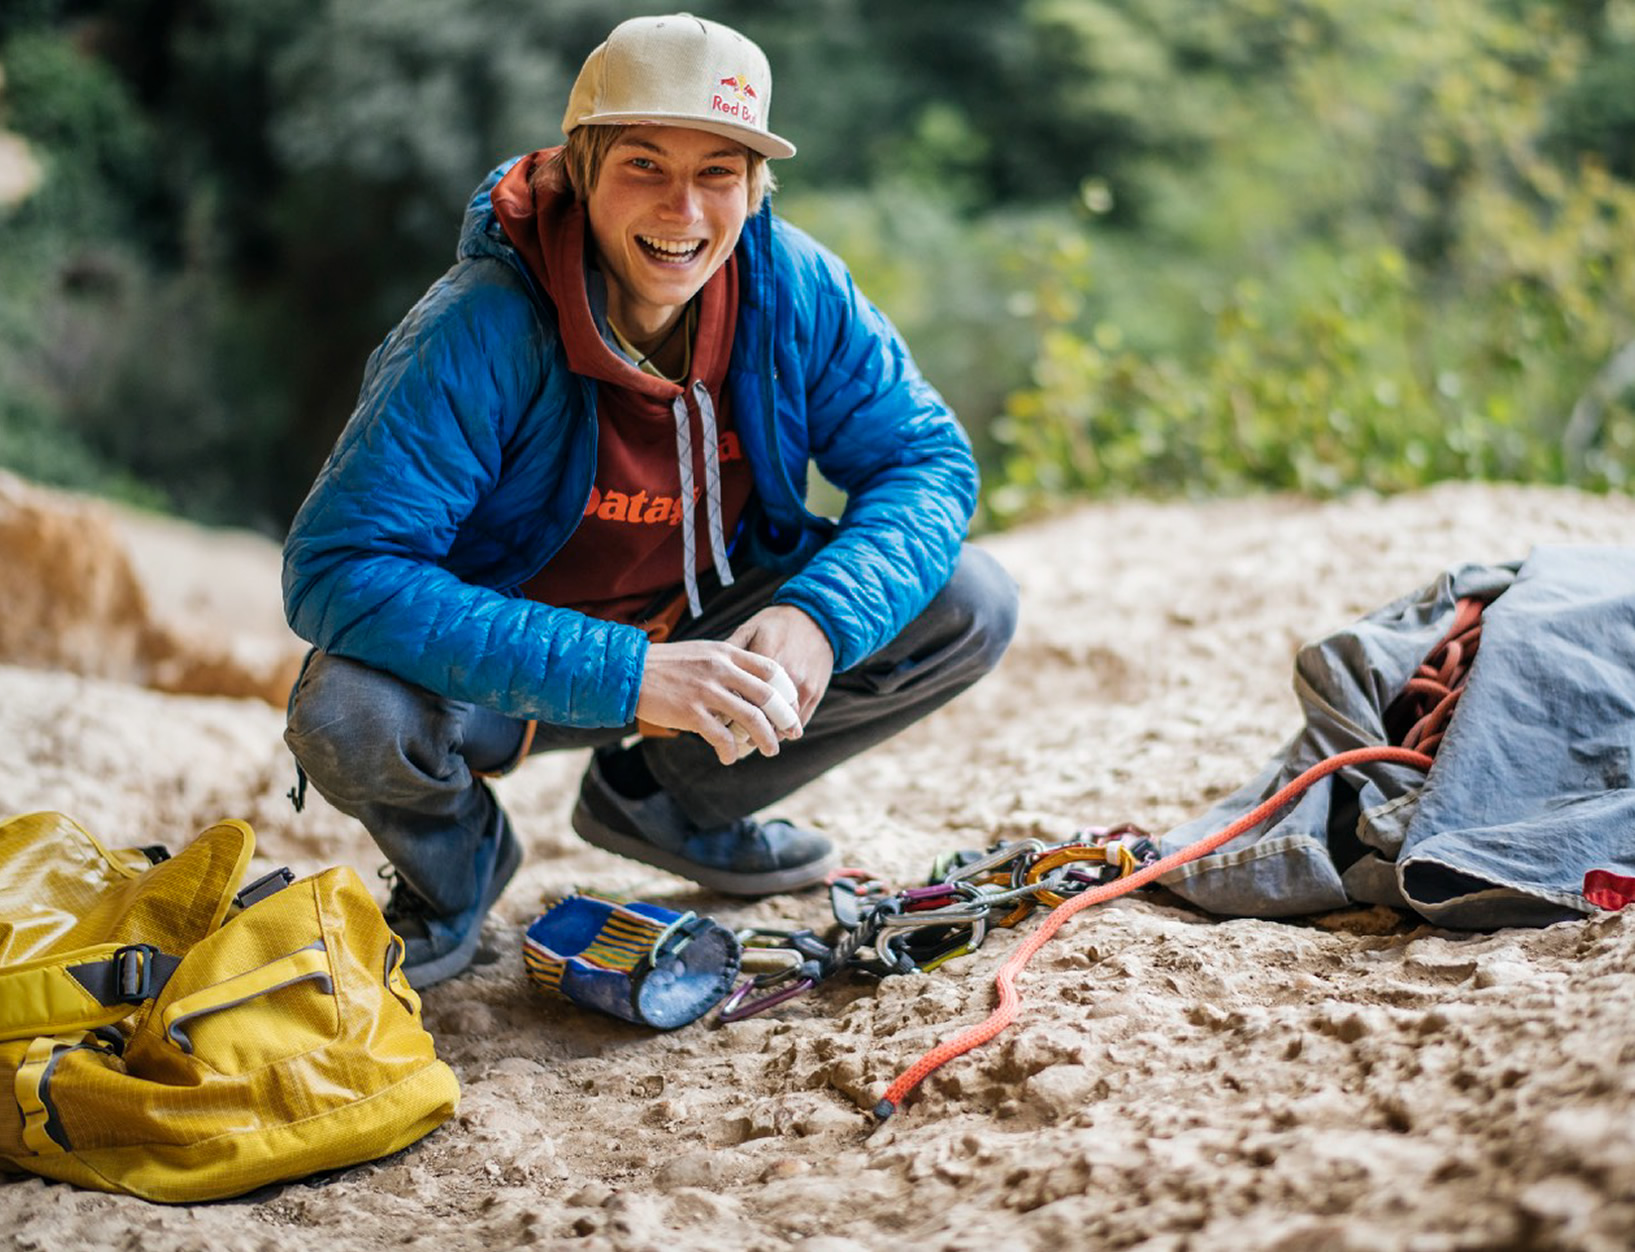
(983, 593)
(361, 733)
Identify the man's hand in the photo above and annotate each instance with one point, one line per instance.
(796, 642)
(707, 687)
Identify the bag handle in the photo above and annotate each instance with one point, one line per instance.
(100, 984)
(43, 1132)
(80, 990)
(310, 963)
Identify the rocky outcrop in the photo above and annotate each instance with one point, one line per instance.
(72, 598)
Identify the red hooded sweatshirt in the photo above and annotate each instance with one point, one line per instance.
(629, 552)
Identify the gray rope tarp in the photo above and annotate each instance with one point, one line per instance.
(1533, 785)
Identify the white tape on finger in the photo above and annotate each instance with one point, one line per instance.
(779, 710)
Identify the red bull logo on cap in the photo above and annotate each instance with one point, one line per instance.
(741, 107)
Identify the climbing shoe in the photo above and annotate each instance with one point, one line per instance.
(742, 858)
(437, 946)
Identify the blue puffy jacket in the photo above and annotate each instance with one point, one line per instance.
(470, 456)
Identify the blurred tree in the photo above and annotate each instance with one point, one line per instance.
(317, 157)
(69, 250)
(1594, 114)
(1426, 296)
(1308, 219)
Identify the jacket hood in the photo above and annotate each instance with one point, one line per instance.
(546, 224)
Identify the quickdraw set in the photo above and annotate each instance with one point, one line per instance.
(651, 965)
(882, 932)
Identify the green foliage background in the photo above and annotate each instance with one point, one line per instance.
(1193, 246)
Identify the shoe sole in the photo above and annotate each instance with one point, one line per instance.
(458, 960)
(770, 882)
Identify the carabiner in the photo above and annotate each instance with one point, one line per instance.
(770, 961)
(896, 949)
(919, 899)
(994, 859)
(949, 915)
(734, 1008)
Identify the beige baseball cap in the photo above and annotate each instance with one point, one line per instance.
(678, 70)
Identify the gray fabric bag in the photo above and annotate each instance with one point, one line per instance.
(1533, 785)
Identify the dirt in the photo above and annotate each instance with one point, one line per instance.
(1356, 1081)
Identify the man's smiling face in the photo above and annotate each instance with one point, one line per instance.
(665, 213)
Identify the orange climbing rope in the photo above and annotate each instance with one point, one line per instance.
(1419, 716)
(1418, 719)
(1005, 1012)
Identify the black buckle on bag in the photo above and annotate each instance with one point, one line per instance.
(133, 972)
(268, 884)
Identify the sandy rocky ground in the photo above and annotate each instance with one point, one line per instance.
(1176, 1081)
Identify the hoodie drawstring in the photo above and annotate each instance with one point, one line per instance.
(712, 493)
(712, 483)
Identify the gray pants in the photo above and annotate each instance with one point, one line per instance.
(405, 761)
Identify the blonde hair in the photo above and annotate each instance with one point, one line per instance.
(578, 164)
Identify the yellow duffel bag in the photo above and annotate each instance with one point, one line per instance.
(167, 1038)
